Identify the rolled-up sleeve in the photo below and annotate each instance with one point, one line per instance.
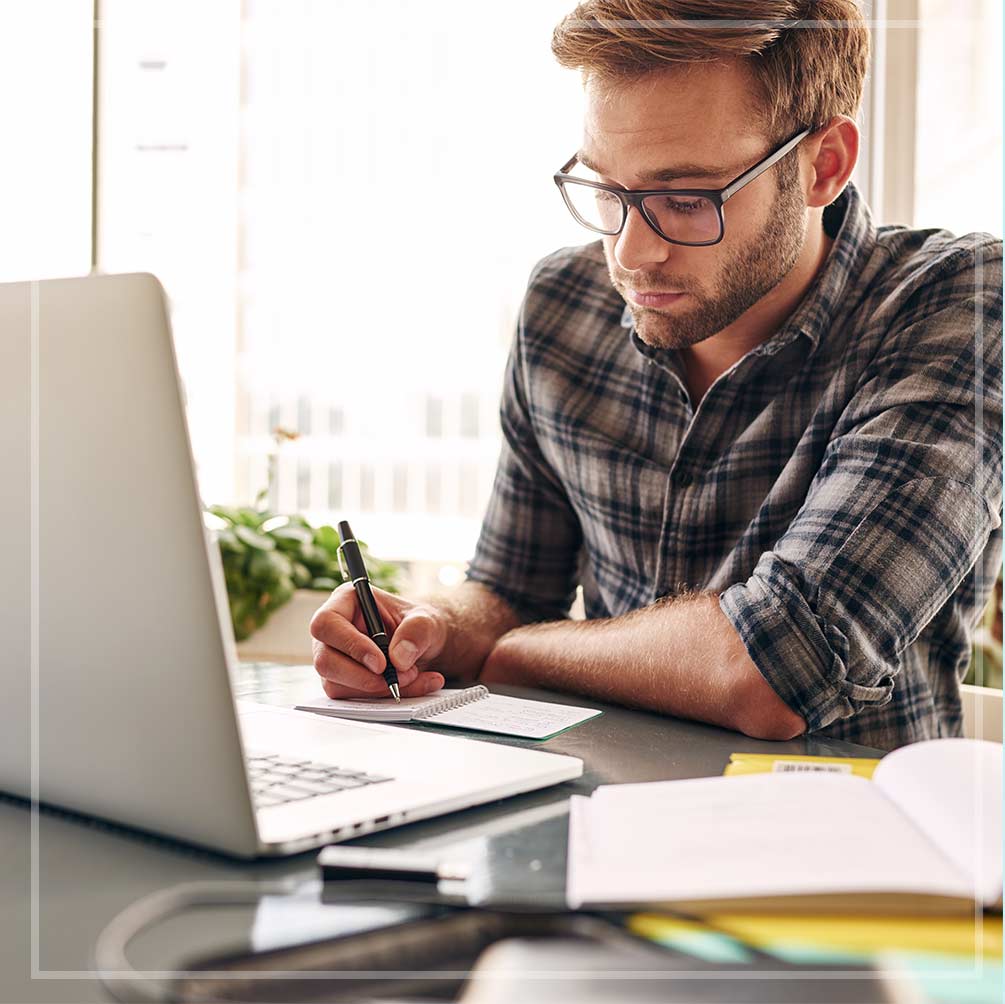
(901, 509)
(530, 538)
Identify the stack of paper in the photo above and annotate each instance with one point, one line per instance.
(928, 826)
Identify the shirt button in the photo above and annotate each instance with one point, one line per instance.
(683, 478)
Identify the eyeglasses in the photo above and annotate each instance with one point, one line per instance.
(689, 216)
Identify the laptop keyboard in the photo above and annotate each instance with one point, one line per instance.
(276, 780)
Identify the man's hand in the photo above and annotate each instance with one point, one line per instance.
(351, 665)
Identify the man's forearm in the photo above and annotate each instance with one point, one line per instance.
(680, 657)
(477, 618)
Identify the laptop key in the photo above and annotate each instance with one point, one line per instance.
(290, 792)
(267, 801)
(320, 787)
(348, 782)
(276, 780)
(313, 774)
(343, 772)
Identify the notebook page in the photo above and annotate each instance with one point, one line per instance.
(952, 789)
(514, 716)
(759, 835)
(385, 709)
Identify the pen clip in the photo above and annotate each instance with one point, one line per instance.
(341, 563)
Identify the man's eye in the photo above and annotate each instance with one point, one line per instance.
(681, 206)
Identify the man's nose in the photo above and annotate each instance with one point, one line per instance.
(638, 245)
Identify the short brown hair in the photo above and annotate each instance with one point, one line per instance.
(809, 57)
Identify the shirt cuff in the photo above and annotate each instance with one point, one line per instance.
(803, 657)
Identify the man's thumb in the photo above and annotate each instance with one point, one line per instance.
(413, 638)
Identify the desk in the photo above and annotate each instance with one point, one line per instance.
(88, 873)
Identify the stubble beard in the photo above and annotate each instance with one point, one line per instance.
(748, 273)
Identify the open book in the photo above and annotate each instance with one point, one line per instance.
(925, 832)
(473, 708)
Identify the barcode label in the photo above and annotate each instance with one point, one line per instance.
(784, 766)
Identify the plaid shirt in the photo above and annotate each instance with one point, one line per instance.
(839, 487)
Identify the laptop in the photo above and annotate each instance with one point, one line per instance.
(118, 685)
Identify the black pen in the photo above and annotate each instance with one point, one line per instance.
(367, 604)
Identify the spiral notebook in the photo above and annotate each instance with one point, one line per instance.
(472, 708)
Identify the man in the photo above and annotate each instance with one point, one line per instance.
(763, 434)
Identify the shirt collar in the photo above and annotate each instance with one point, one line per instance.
(848, 220)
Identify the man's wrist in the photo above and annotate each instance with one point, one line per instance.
(474, 619)
(497, 665)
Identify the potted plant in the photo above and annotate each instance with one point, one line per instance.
(275, 562)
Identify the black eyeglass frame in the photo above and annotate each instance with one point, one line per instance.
(634, 197)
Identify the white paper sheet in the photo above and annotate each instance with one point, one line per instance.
(513, 716)
(738, 837)
(477, 709)
(952, 789)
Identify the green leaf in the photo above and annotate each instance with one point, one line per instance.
(228, 543)
(282, 593)
(328, 538)
(268, 567)
(256, 540)
(316, 559)
(243, 616)
(291, 538)
(273, 523)
(323, 583)
(301, 574)
(224, 512)
(254, 517)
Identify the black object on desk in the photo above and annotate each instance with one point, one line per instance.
(432, 952)
(367, 604)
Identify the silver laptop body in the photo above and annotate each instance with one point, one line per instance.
(122, 705)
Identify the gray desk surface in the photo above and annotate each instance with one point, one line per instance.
(88, 872)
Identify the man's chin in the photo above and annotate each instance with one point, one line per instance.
(659, 331)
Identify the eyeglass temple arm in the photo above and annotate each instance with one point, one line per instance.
(569, 164)
(758, 169)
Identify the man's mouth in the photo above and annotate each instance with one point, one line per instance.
(652, 299)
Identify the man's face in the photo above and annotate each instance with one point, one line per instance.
(700, 124)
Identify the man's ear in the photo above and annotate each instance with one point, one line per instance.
(830, 156)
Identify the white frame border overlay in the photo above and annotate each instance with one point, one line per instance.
(877, 167)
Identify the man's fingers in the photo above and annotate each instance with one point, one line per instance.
(417, 635)
(332, 626)
(424, 683)
(342, 601)
(350, 663)
(336, 667)
(389, 607)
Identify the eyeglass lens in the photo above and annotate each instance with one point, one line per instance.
(691, 219)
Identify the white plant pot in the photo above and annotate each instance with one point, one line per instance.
(285, 636)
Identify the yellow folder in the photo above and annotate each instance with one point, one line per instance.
(767, 763)
(978, 936)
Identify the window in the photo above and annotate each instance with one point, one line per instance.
(935, 137)
(958, 154)
(298, 174)
(45, 177)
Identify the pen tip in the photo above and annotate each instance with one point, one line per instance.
(395, 692)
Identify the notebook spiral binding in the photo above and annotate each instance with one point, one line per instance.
(454, 701)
